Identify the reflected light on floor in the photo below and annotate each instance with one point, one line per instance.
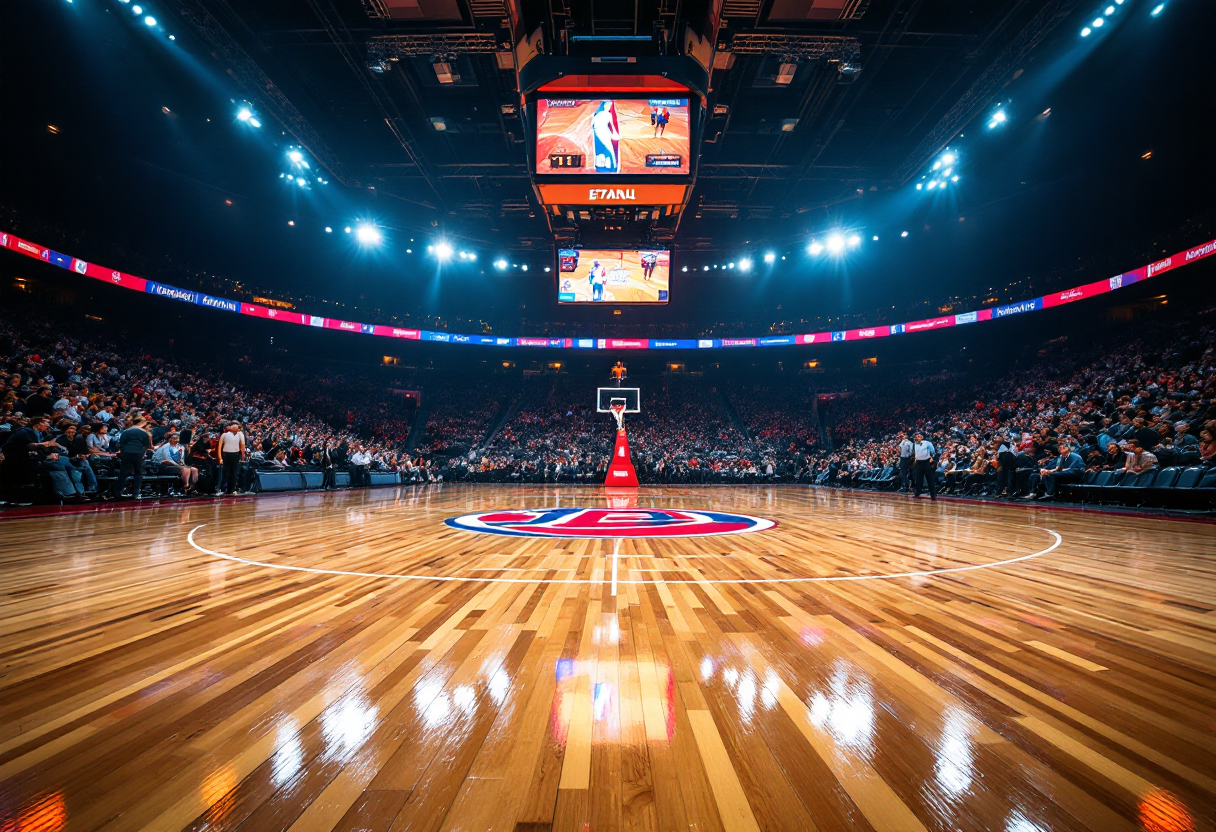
(846, 711)
(217, 792)
(44, 813)
(1161, 811)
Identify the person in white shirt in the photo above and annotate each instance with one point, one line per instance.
(231, 452)
(922, 465)
(171, 459)
(360, 460)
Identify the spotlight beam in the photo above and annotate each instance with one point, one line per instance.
(232, 56)
(984, 89)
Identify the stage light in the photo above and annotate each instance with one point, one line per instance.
(548, 269)
(243, 114)
(368, 234)
(1085, 32)
(137, 9)
(875, 238)
(954, 178)
(920, 186)
(472, 257)
(815, 249)
(1158, 10)
(1098, 22)
(903, 234)
(1109, 11)
(948, 159)
(745, 265)
(933, 184)
(685, 269)
(835, 243)
(171, 37)
(291, 222)
(296, 157)
(328, 230)
(705, 268)
(253, 122)
(998, 117)
(443, 251)
(730, 265)
(347, 229)
(500, 264)
(524, 267)
(150, 20)
(854, 240)
(769, 257)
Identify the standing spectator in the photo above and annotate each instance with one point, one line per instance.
(133, 443)
(360, 461)
(231, 451)
(922, 465)
(905, 462)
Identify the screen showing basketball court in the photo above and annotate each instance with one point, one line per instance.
(613, 276)
(612, 136)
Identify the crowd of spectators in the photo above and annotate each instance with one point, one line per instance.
(1137, 404)
(86, 418)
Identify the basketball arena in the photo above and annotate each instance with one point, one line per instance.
(724, 415)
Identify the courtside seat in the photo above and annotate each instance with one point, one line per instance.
(1170, 481)
(1203, 495)
(1083, 492)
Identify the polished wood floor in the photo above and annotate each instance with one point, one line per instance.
(149, 681)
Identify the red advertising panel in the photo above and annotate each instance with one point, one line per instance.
(815, 338)
(872, 332)
(270, 313)
(114, 277)
(624, 343)
(24, 246)
(1077, 293)
(398, 332)
(931, 323)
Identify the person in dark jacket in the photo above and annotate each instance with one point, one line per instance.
(133, 444)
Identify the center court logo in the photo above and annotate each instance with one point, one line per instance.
(608, 522)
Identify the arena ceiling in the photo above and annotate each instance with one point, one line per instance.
(772, 152)
(146, 152)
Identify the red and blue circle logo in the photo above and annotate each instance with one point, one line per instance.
(609, 522)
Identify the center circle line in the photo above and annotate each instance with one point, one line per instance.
(919, 573)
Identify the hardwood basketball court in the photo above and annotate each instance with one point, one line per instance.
(350, 661)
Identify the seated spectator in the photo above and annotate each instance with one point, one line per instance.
(1183, 437)
(1138, 459)
(171, 459)
(1068, 467)
(1207, 446)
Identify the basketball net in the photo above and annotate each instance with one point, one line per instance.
(618, 413)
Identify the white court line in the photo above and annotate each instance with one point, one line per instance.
(616, 553)
(921, 573)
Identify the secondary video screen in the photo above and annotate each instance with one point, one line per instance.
(612, 136)
(613, 276)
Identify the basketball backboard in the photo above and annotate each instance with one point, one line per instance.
(631, 396)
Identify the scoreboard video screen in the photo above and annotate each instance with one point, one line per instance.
(613, 276)
(608, 136)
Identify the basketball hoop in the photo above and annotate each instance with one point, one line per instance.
(618, 412)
